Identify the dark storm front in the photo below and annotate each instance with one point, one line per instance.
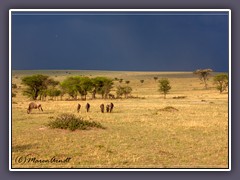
(136, 41)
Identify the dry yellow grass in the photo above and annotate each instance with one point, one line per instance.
(138, 134)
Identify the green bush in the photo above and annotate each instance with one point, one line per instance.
(71, 122)
(221, 80)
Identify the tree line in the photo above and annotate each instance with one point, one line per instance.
(42, 86)
(220, 80)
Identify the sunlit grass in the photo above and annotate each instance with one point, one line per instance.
(138, 133)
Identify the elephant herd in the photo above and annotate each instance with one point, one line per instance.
(109, 107)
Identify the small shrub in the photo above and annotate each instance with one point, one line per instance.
(14, 86)
(155, 78)
(71, 122)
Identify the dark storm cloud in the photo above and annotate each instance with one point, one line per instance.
(164, 41)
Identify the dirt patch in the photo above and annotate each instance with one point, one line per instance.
(179, 97)
(169, 109)
(42, 128)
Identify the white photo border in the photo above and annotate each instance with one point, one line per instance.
(119, 169)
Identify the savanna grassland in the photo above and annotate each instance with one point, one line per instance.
(139, 132)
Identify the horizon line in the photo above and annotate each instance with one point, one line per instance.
(111, 70)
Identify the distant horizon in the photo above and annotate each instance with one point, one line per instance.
(107, 70)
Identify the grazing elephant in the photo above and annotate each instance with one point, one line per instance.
(111, 107)
(87, 107)
(78, 107)
(34, 105)
(107, 108)
(102, 108)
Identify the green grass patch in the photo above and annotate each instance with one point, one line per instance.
(71, 122)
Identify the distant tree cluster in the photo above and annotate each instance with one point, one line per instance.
(220, 80)
(41, 86)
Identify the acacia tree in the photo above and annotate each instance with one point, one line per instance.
(53, 93)
(51, 90)
(36, 84)
(127, 91)
(43, 94)
(221, 80)
(203, 75)
(70, 86)
(84, 87)
(119, 91)
(97, 83)
(124, 90)
(102, 86)
(107, 86)
(142, 81)
(164, 86)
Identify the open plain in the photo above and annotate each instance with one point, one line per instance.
(141, 132)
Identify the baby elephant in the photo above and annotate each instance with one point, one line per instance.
(107, 108)
(34, 105)
(102, 108)
(87, 107)
(78, 107)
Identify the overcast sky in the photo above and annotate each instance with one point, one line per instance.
(120, 41)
